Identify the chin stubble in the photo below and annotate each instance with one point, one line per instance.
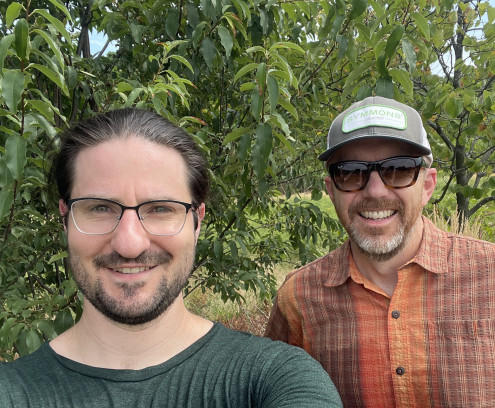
(119, 309)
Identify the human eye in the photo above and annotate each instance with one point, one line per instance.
(160, 208)
(100, 208)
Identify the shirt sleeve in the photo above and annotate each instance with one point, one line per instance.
(277, 327)
(285, 322)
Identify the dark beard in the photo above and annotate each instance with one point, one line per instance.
(164, 295)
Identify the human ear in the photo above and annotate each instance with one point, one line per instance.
(429, 183)
(329, 186)
(200, 212)
(64, 211)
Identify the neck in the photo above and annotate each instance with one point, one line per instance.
(99, 342)
(384, 273)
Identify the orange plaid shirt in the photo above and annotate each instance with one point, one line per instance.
(432, 344)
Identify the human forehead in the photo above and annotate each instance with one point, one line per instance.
(371, 150)
(125, 166)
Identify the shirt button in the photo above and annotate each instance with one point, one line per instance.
(400, 371)
(395, 314)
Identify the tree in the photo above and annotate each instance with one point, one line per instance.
(257, 83)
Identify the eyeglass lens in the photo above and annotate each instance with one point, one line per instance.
(397, 172)
(97, 216)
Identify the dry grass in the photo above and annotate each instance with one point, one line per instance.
(473, 228)
(250, 316)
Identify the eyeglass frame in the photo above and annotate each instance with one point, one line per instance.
(188, 206)
(376, 166)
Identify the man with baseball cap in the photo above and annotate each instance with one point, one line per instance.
(403, 314)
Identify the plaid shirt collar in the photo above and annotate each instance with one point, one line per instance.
(432, 255)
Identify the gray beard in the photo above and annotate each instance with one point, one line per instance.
(375, 248)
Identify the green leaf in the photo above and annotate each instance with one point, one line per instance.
(54, 47)
(226, 40)
(288, 107)
(235, 134)
(403, 78)
(356, 72)
(244, 147)
(422, 23)
(262, 149)
(12, 13)
(56, 257)
(491, 14)
(244, 70)
(393, 40)
(358, 8)
(6, 201)
(256, 103)
(287, 45)
(12, 89)
(42, 107)
(385, 87)
(15, 155)
(408, 50)
(280, 121)
(5, 330)
(33, 341)
(454, 106)
(5, 176)
(342, 41)
(47, 328)
(273, 93)
(209, 51)
(337, 23)
(57, 23)
(172, 23)
(261, 76)
(218, 249)
(21, 33)
(55, 77)
(5, 43)
(62, 8)
(381, 64)
(63, 321)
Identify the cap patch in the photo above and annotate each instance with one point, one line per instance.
(374, 115)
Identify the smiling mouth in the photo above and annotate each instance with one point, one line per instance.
(377, 215)
(134, 270)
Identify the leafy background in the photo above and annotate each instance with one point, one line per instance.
(257, 83)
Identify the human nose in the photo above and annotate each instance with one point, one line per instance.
(375, 186)
(130, 238)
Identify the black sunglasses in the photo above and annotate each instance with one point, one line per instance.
(395, 172)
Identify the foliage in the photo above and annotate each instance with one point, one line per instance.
(257, 83)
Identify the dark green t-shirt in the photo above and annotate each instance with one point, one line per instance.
(224, 368)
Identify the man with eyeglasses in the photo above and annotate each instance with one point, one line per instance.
(132, 192)
(403, 314)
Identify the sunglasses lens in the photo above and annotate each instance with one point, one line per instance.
(400, 172)
(397, 172)
(350, 176)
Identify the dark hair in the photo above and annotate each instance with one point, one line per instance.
(121, 124)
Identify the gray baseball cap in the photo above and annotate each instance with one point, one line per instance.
(377, 117)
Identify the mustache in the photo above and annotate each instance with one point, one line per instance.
(374, 204)
(147, 258)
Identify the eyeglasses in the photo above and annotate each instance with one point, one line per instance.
(98, 216)
(395, 172)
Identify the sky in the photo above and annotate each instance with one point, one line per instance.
(97, 42)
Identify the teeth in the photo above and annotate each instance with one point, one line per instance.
(377, 215)
(133, 270)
